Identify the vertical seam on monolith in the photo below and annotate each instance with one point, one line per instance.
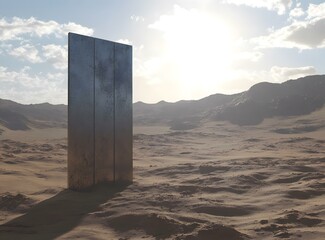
(114, 131)
(94, 113)
(68, 162)
(131, 112)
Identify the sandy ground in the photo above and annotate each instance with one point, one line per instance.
(219, 181)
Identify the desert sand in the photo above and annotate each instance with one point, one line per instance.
(216, 181)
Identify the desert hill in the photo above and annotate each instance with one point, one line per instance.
(15, 116)
(263, 100)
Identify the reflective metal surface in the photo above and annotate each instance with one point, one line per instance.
(104, 111)
(99, 112)
(80, 112)
(123, 113)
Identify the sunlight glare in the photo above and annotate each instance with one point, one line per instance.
(201, 47)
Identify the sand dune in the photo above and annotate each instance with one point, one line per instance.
(217, 181)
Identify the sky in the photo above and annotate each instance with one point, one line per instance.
(182, 49)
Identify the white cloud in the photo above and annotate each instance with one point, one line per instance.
(315, 10)
(64, 29)
(56, 55)
(33, 40)
(137, 18)
(24, 87)
(303, 34)
(124, 41)
(26, 52)
(280, 74)
(17, 27)
(296, 12)
(280, 6)
(308, 34)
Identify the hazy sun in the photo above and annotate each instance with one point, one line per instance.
(201, 47)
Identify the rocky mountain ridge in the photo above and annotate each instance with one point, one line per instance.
(263, 100)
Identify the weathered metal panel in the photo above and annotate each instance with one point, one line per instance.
(123, 113)
(104, 111)
(80, 112)
(99, 112)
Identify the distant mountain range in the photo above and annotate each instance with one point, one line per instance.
(263, 100)
(17, 116)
